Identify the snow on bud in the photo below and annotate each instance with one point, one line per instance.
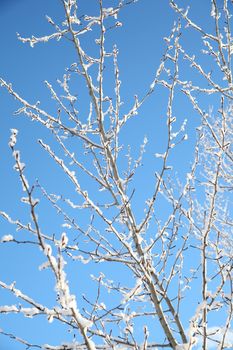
(66, 225)
(13, 138)
(7, 238)
(152, 85)
(160, 155)
(7, 308)
(84, 322)
(167, 40)
(25, 200)
(172, 120)
(29, 311)
(129, 329)
(173, 135)
(108, 11)
(118, 24)
(35, 202)
(183, 125)
(50, 318)
(44, 266)
(47, 250)
(140, 239)
(64, 240)
(81, 259)
(102, 306)
(49, 19)
(213, 11)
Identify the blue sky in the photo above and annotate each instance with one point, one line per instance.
(141, 45)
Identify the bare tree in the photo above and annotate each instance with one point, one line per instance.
(173, 256)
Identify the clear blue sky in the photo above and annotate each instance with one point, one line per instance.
(141, 46)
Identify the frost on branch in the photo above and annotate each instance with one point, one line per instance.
(7, 238)
(13, 138)
(182, 347)
(153, 215)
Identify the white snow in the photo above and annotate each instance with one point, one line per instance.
(13, 138)
(84, 322)
(44, 266)
(64, 240)
(7, 238)
(48, 250)
(91, 344)
(182, 347)
(160, 155)
(8, 308)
